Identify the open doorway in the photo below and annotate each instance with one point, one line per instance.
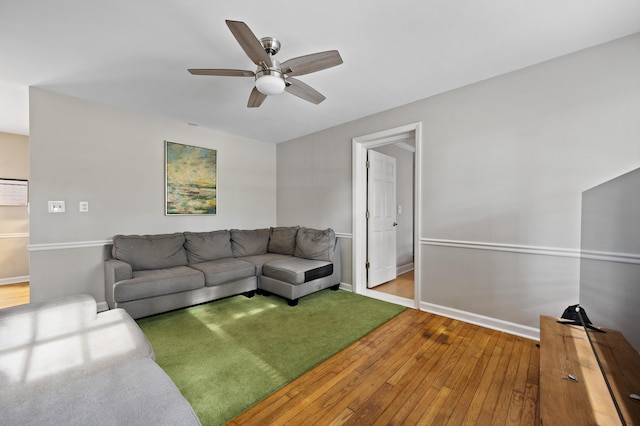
(394, 214)
(14, 220)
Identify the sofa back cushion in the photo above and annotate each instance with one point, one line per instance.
(145, 252)
(315, 244)
(282, 240)
(205, 246)
(249, 242)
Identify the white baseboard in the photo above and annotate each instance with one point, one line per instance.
(481, 320)
(347, 287)
(14, 280)
(403, 269)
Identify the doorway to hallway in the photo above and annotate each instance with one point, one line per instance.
(405, 138)
(402, 286)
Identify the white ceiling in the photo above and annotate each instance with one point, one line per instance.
(134, 53)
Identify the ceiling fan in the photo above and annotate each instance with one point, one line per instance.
(273, 77)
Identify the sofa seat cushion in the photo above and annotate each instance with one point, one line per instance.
(132, 393)
(145, 284)
(261, 259)
(221, 271)
(295, 270)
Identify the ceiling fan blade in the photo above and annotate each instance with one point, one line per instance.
(311, 63)
(304, 91)
(256, 98)
(222, 72)
(249, 43)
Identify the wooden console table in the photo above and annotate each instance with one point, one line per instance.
(565, 355)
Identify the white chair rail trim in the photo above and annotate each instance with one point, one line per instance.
(514, 248)
(15, 235)
(546, 251)
(68, 245)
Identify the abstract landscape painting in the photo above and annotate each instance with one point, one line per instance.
(191, 179)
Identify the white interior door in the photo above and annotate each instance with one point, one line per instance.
(381, 225)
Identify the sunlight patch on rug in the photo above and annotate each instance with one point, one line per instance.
(227, 355)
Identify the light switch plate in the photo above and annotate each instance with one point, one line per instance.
(56, 207)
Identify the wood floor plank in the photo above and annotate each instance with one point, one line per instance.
(491, 397)
(467, 389)
(432, 385)
(480, 392)
(460, 378)
(406, 359)
(530, 409)
(14, 294)
(378, 373)
(410, 390)
(419, 368)
(501, 412)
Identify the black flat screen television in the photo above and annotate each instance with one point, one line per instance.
(610, 255)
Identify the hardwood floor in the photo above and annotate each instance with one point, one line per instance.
(14, 294)
(417, 369)
(402, 286)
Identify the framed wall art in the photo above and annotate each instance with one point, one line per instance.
(191, 180)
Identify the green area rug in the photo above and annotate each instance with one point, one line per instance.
(227, 355)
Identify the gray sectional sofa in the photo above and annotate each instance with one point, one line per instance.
(62, 363)
(150, 274)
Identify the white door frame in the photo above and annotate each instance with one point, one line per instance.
(360, 145)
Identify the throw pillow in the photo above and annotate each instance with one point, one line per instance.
(205, 246)
(145, 252)
(315, 244)
(283, 240)
(249, 242)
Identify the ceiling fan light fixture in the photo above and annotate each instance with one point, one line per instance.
(270, 84)
(271, 77)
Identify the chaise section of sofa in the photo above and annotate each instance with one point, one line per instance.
(314, 266)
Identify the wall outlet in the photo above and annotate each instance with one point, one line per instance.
(83, 206)
(56, 207)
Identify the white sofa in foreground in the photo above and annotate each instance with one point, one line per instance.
(61, 362)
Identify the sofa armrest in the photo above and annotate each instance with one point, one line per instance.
(337, 261)
(114, 271)
(50, 343)
(26, 324)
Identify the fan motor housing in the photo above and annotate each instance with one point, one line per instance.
(269, 71)
(271, 45)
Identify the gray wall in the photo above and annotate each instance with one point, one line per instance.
(114, 159)
(504, 162)
(503, 165)
(14, 220)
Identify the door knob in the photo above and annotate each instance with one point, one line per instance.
(395, 224)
